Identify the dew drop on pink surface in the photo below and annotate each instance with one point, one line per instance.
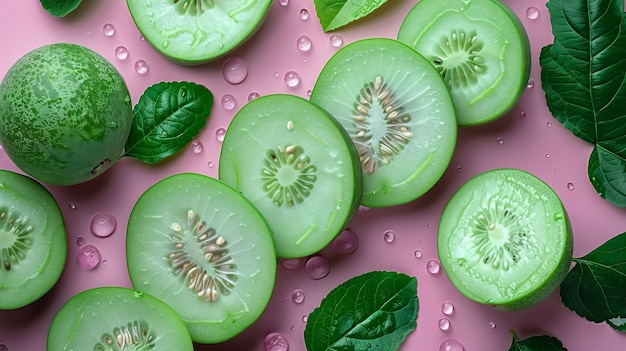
(228, 102)
(304, 14)
(197, 146)
(80, 241)
(108, 29)
(141, 66)
(121, 52)
(211, 164)
(447, 308)
(292, 264)
(418, 253)
(284, 2)
(253, 95)
(292, 79)
(492, 325)
(317, 267)
(336, 40)
(570, 186)
(444, 324)
(220, 133)
(72, 206)
(389, 236)
(451, 345)
(304, 43)
(235, 70)
(88, 256)
(347, 242)
(532, 13)
(531, 83)
(433, 266)
(103, 224)
(275, 342)
(297, 296)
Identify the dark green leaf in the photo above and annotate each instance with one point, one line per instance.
(583, 75)
(373, 311)
(537, 343)
(596, 287)
(60, 8)
(166, 118)
(337, 13)
(618, 323)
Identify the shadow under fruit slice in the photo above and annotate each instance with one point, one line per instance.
(116, 318)
(505, 240)
(203, 249)
(298, 166)
(192, 32)
(397, 109)
(481, 49)
(33, 245)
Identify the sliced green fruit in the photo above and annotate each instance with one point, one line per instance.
(65, 114)
(33, 245)
(298, 167)
(481, 49)
(398, 112)
(192, 32)
(505, 239)
(117, 318)
(204, 250)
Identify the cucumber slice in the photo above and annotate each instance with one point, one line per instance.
(33, 240)
(398, 112)
(116, 318)
(505, 239)
(481, 49)
(298, 167)
(203, 249)
(192, 32)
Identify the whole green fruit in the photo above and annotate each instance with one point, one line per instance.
(65, 114)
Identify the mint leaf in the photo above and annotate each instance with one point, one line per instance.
(337, 13)
(596, 287)
(584, 79)
(618, 323)
(60, 8)
(166, 118)
(373, 311)
(537, 343)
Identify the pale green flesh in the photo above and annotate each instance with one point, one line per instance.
(504, 52)
(507, 208)
(276, 121)
(89, 316)
(190, 36)
(250, 245)
(420, 93)
(43, 249)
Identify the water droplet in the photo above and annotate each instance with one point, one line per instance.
(297, 296)
(211, 164)
(235, 70)
(88, 256)
(309, 92)
(531, 83)
(389, 236)
(317, 267)
(275, 342)
(364, 208)
(72, 206)
(197, 146)
(305, 318)
(220, 133)
(523, 140)
(523, 114)
(292, 79)
(304, 43)
(459, 168)
(417, 253)
(141, 66)
(4, 347)
(304, 14)
(80, 241)
(570, 186)
(500, 141)
(444, 324)
(451, 345)
(532, 13)
(492, 325)
(292, 264)
(103, 224)
(347, 242)
(336, 40)
(121, 52)
(284, 2)
(108, 29)
(433, 266)
(228, 102)
(253, 95)
(447, 308)
(549, 124)
(548, 156)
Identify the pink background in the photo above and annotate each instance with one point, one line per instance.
(536, 143)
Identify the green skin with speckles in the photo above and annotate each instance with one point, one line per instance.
(65, 114)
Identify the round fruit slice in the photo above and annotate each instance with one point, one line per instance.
(33, 245)
(192, 32)
(398, 112)
(505, 239)
(203, 249)
(116, 318)
(299, 168)
(481, 49)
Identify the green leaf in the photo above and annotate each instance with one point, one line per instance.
(584, 79)
(596, 287)
(373, 311)
(338, 13)
(537, 343)
(60, 8)
(166, 118)
(618, 323)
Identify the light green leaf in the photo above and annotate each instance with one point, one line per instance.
(338, 13)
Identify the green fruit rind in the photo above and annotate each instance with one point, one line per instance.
(65, 114)
(191, 32)
(39, 246)
(102, 318)
(505, 239)
(190, 223)
(489, 37)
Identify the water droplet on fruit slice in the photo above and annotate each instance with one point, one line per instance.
(103, 224)
(88, 256)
